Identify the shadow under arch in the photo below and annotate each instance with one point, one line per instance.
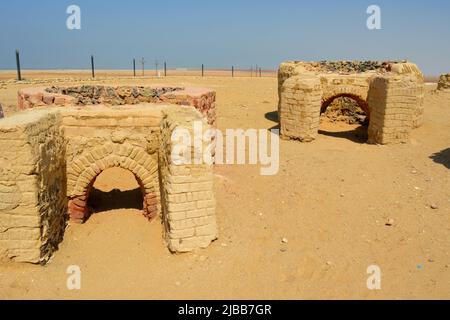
(358, 134)
(360, 101)
(100, 200)
(83, 172)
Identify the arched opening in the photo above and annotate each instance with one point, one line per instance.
(345, 116)
(85, 170)
(115, 189)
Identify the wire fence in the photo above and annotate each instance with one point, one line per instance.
(140, 68)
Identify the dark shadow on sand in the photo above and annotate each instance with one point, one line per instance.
(272, 116)
(357, 135)
(442, 157)
(100, 201)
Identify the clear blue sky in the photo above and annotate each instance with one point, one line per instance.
(221, 33)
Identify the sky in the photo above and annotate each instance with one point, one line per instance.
(219, 34)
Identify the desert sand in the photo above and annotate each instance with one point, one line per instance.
(309, 232)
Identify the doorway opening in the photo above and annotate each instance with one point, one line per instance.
(345, 116)
(115, 188)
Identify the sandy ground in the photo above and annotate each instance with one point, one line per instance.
(331, 200)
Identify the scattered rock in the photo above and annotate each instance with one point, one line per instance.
(284, 240)
(434, 206)
(346, 110)
(444, 82)
(390, 222)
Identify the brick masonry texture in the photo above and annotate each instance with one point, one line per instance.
(51, 157)
(306, 89)
(202, 99)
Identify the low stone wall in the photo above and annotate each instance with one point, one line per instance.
(201, 98)
(52, 156)
(444, 82)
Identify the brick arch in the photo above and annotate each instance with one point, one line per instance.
(359, 100)
(84, 169)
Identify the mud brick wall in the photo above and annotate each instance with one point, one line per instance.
(187, 189)
(393, 99)
(32, 188)
(99, 138)
(202, 99)
(301, 99)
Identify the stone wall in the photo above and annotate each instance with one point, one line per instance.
(187, 190)
(393, 99)
(202, 99)
(301, 99)
(32, 189)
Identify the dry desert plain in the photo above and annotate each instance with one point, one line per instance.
(330, 202)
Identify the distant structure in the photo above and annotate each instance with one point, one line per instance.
(390, 93)
(444, 82)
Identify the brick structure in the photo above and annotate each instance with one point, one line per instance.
(391, 95)
(202, 99)
(51, 157)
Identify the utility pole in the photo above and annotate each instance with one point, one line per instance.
(92, 66)
(19, 74)
(143, 64)
(134, 67)
(165, 69)
(232, 71)
(203, 70)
